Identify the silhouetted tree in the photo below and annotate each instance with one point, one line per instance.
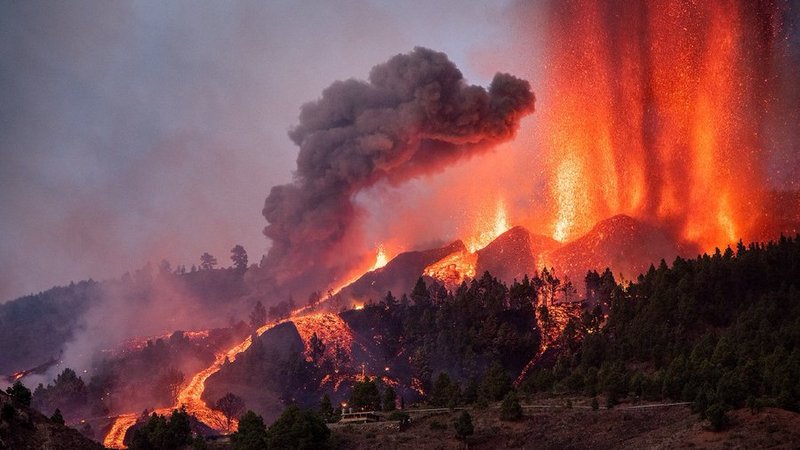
(510, 409)
(389, 397)
(57, 417)
(239, 258)
(258, 316)
(251, 434)
(20, 393)
(365, 396)
(326, 408)
(207, 261)
(231, 406)
(317, 348)
(463, 426)
(298, 429)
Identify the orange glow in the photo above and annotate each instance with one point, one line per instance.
(120, 426)
(453, 269)
(488, 228)
(380, 258)
(330, 328)
(654, 113)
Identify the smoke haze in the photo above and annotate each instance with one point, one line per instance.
(416, 115)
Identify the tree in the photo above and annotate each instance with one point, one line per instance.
(258, 316)
(239, 258)
(326, 408)
(298, 429)
(496, 383)
(160, 433)
(389, 397)
(57, 417)
(317, 348)
(207, 261)
(20, 393)
(251, 434)
(365, 396)
(445, 392)
(510, 409)
(231, 406)
(463, 426)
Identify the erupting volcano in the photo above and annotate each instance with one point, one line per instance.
(661, 111)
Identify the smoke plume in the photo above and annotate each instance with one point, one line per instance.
(414, 116)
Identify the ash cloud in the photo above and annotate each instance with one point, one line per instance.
(415, 115)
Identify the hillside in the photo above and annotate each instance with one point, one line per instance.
(23, 428)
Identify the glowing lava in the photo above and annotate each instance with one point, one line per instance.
(115, 436)
(657, 110)
(330, 328)
(453, 269)
(380, 258)
(488, 228)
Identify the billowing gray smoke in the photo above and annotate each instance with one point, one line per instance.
(415, 115)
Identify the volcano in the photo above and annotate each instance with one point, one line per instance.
(400, 273)
(622, 243)
(514, 254)
(626, 245)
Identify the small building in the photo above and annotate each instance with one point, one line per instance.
(359, 417)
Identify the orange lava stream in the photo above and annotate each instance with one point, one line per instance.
(115, 436)
(190, 396)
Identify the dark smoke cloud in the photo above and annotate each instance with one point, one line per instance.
(414, 116)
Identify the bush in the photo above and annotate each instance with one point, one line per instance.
(298, 429)
(252, 433)
(510, 409)
(717, 417)
(401, 417)
(436, 425)
(463, 426)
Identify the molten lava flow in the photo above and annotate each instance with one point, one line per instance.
(453, 269)
(330, 329)
(656, 110)
(190, 396)
(115, 436)
(551, 328)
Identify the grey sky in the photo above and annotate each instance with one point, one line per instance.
(135, 131)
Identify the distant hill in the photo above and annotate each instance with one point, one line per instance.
(28, 429)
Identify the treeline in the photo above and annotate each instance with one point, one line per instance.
(461, 333)
(721, 331)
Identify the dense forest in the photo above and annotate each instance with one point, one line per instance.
(721, 331)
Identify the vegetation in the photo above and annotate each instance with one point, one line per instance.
(714, 331)
(19, 393)
(252, 433)
(365, 396)
(231, 406)
(463, 426)
(298, 429)
(161, 433)
(510, 409)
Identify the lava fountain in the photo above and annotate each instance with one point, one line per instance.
(656, 110)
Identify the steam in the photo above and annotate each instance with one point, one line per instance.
(415, 115)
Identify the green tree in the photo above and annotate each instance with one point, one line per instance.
(231, 406)
(251, 434)
(160, 433)
(445, 392)
(239, 258)
(510, 409)
(57, 417)
(463, 426)
(20, 393)
(496, 383)
(365, 396)
(298, 429)
(207, 261)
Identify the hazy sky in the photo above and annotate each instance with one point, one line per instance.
(136, 131)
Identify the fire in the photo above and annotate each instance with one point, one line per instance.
(115, 436)
(453, 269)
(330, 328)
(380, 258)
(656, 112)
(488, 228)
